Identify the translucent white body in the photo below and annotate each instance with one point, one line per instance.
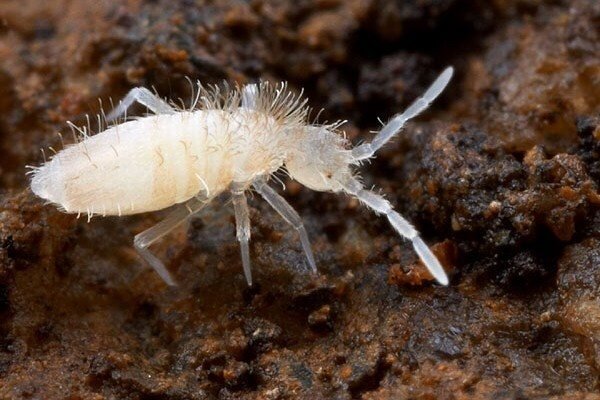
(233, 142)
(154, 162)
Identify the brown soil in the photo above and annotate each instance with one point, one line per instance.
(501, 176)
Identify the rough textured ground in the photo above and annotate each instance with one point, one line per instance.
(501, 176)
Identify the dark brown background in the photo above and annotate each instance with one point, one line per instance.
(500, 176)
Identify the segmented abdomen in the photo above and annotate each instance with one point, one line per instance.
(146, 164)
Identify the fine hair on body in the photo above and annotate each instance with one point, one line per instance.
(230, 139)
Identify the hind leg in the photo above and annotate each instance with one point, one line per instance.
(143, 240)
(145, 98)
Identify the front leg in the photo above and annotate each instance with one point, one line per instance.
(249, 96)
(290, 216)
(145, 98)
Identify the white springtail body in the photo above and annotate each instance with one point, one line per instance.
(154, 162)
(230, 140)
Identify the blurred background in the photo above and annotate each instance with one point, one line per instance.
(501, 176)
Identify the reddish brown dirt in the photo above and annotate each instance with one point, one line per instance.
(501, 176)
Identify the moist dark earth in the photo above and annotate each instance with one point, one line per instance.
(501, 177)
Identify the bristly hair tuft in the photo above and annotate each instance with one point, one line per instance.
(281, 103)
(274, 100)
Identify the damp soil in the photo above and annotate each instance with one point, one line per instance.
(501, 176)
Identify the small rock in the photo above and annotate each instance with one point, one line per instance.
(321, 319)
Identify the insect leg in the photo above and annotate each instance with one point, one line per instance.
(380, 205)
(394, 126)
(142, 240)
(249, 94)
(242, 223)
(289, 215)
(145, 98)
